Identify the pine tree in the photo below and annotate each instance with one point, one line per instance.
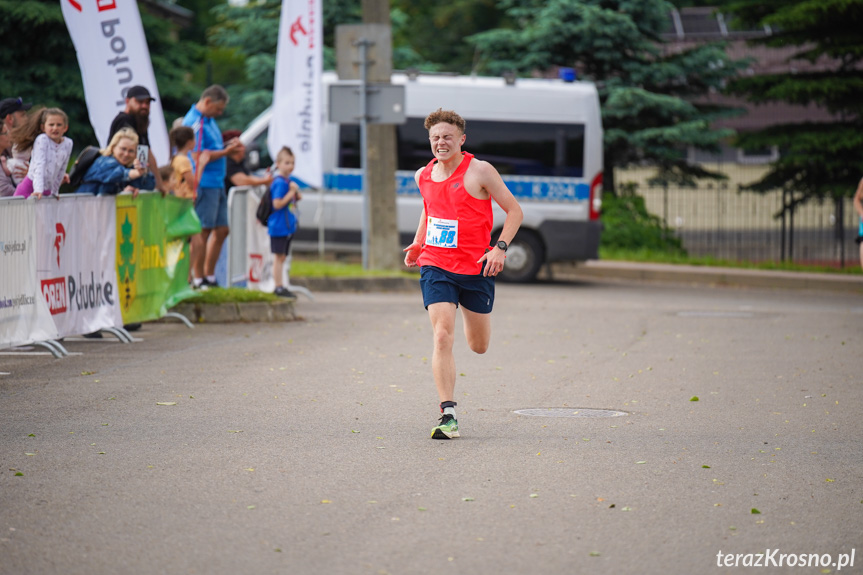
(40, 66)
(649, 96)
(817, 160)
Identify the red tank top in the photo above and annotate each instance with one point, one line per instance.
(458, 225)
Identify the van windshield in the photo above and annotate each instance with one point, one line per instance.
(515, 148)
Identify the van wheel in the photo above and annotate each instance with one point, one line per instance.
(524, 257)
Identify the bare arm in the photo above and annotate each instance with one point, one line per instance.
(293, 194)
(858, 199)
(490, 180)
(247, 180)
(412, 252)
(219, 154)
(189, 179)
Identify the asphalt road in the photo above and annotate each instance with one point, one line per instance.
(303, 448)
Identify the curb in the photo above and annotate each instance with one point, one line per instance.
(607, 270)
(710, 276)
(258, 311)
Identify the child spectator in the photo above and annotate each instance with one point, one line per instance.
(183, 182)
(49, 155)
(183, 174)
(165, 173)
(283, 221)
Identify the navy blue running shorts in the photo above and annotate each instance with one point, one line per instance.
(475, 293)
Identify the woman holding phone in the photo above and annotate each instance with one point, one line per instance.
(118, 169)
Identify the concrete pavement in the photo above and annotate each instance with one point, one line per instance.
(303, 447)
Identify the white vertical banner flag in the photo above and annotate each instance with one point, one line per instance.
(113, 56)
(297, 120)
(24, 315)
(259, 257)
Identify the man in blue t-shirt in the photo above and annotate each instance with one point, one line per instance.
(209, 163)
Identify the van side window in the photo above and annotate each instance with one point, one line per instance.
(515, 148)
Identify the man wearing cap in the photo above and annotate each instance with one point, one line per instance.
(137, 116)
(7, 186)
(13, 113)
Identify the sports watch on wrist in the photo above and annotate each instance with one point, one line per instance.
(502, 245)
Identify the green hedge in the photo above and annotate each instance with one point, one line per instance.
(628, 226)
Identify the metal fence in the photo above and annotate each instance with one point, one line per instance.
(717, 220)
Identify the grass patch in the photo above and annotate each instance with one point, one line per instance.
(318, 269)
(658, 257)
(232, 295)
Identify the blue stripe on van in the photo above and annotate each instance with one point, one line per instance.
(522, 187)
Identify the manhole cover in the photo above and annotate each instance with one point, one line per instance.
(570, 412)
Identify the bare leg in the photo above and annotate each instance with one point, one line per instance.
(477, 330)
(278, 269)
(861, 254)
(196, 252)
(442, 316)
(198, 255)
(214, 248)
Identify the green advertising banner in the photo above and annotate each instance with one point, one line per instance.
(153, 254)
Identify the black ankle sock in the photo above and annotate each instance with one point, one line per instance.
(445, 404)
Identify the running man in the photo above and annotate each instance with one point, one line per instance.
(451, 247)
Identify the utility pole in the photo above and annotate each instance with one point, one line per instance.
(384, 248)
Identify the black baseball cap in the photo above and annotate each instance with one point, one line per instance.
(12, 105)
(139, 93)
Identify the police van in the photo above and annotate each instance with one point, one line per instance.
(544, 136)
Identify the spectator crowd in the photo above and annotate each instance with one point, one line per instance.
(35, 156)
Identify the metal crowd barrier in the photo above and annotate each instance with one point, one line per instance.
(239, 205)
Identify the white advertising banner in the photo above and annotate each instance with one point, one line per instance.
(24, 315)
(113, 56)
(76, 263)
(259, 258)
(297, 120)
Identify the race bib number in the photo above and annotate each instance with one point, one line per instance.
(442, 233)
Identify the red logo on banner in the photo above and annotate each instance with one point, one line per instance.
(101, 5)
(59, 240)
(55, 294)
(297, 27)
(257, 267)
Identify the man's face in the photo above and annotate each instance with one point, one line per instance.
(213, 108)
(446, 141)
(5, 141)
(15, 119)
(139, 108)
(239, 152)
